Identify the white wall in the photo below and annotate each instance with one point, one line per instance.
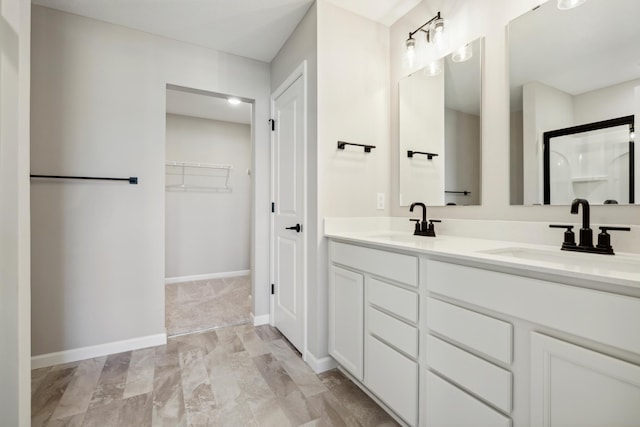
(207, 231)
(15, 364)
(99, 109)
(462, 156)
(469, 19)
(543, 108)
(349, 97)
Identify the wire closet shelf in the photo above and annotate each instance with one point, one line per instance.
(198, 177)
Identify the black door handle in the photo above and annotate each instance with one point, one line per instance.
(298, 228)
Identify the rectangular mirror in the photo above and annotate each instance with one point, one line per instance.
(574, 97)
(440, 133)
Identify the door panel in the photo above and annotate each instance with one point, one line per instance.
(288, 159)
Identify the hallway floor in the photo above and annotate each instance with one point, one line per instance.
(206, 304)
(234, 376)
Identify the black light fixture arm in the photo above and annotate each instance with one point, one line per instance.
(421, 27)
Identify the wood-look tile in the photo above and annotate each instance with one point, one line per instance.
(140, 373)
(199, 401)
(277, 378)
(234, 376)
(78, 393)
(306, 380)
(46, 399)
(137, 411)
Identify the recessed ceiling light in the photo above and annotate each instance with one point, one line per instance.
(234, 101)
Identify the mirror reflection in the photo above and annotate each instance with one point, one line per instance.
(440, 131)
(575, 96)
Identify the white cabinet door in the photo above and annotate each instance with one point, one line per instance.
(346, 319)
(574, 386)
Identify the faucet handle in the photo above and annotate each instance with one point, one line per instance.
(569, 235)
(604, 239)
(417, 229)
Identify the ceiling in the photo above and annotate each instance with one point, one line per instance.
(206, 106)
(576, 51)
(254, 29)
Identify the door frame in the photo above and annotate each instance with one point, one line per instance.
(299, 72)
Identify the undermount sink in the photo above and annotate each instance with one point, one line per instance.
(572, 260)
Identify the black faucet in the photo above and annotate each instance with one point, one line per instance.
(586, 234)
(423, 228)
(585, 244)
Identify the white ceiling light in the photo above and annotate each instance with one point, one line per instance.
(569, 4)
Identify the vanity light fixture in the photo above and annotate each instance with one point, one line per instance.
(233, 101)
(434, 34)
(569, 4)
(462, 54)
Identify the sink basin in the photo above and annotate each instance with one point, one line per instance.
(572, 260)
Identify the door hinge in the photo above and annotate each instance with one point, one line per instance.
(273, 207)
(273, 289)
(273, 124)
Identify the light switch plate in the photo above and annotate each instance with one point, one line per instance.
(380, 201)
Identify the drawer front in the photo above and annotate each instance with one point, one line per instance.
(485, 334)
(399, 267)
(488, 381)
(400, 335)
(401, 302)
(448, 406)
(393, 378)
(605, 317)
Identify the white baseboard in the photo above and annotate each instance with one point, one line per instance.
(261, 320)
(50, 359)
(320, 364)
(180, 279)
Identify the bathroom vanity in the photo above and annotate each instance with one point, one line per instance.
(454, 331)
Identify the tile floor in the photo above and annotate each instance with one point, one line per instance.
(234, 376)
(207, 304)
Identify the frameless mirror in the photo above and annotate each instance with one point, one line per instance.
(575, 97)
(440, 133)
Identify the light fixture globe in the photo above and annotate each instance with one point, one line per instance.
(410, 53)
(433, 68)
(462, 54)
(436, 33)
(569, 4)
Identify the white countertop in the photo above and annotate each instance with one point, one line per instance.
(622, 269)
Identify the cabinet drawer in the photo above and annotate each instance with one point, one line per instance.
(571, 309)
(401, 302)
(393, 378)
(400, 335)
(399, 267)
(488, 381)
(448, 406)
(485, 334)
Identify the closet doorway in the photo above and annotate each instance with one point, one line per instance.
(207, 211)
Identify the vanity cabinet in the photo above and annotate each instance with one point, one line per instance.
(445, 344)
(346, 319)
(562, 364)
(574, 386)
(373, 323)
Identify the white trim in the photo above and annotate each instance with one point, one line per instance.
(50, 359)
(299, 72)
(180, 279)
(322, 364)
(260, 320)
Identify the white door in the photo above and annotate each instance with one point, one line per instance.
(288, 195)
(575, 386)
